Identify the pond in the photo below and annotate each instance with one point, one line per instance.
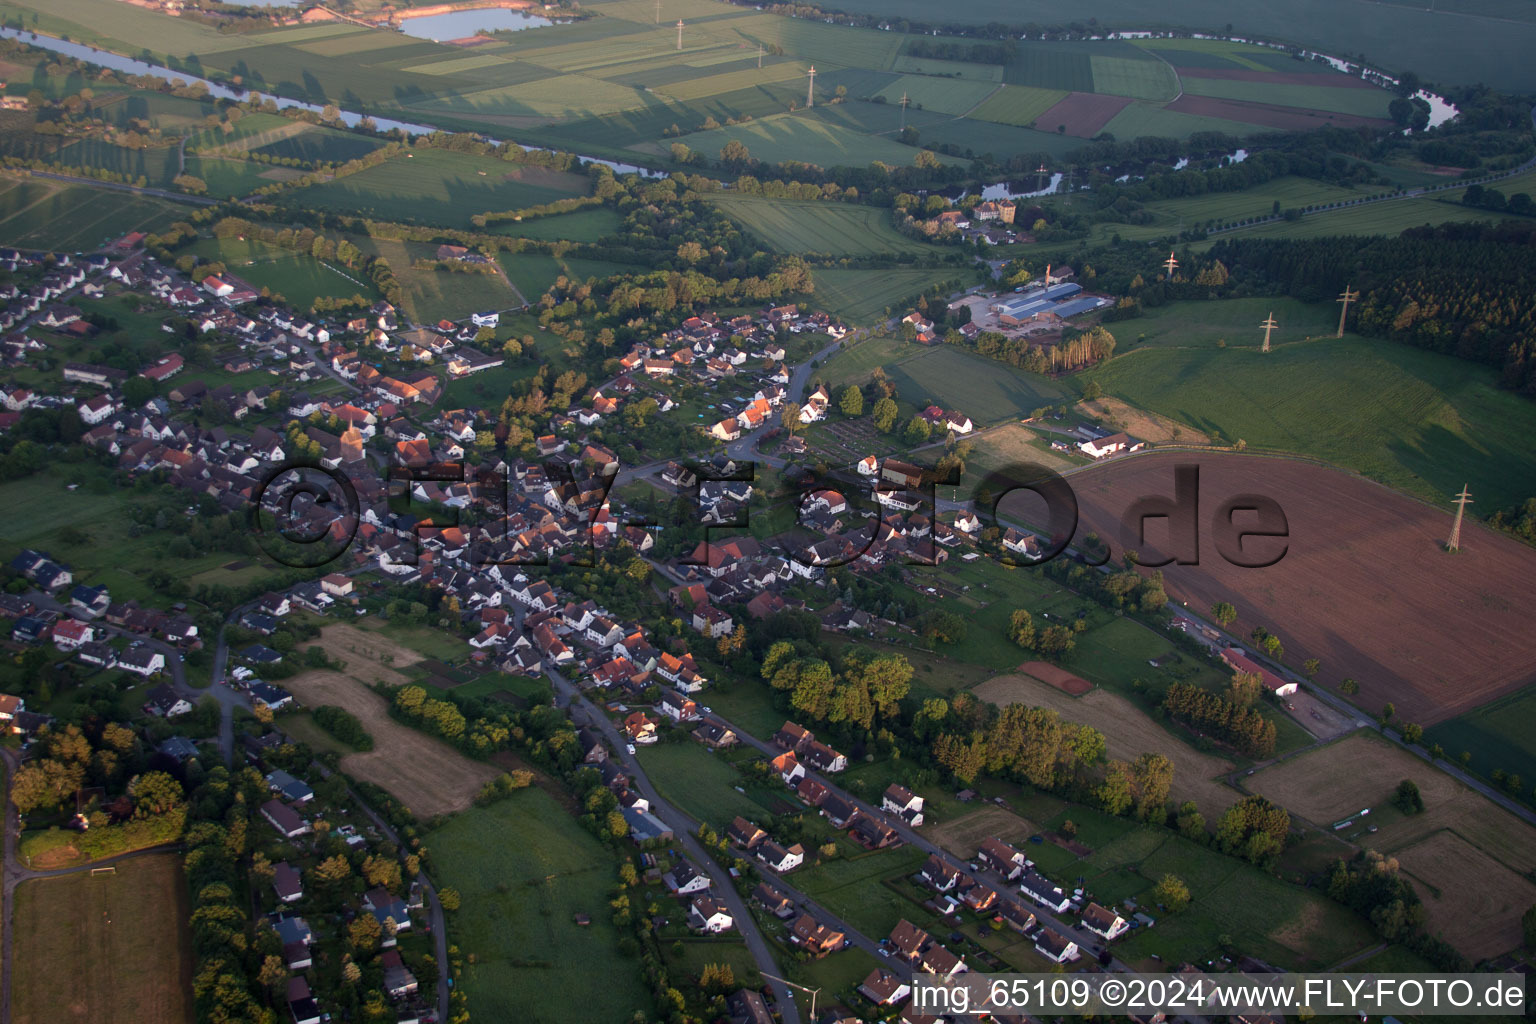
(463, 24)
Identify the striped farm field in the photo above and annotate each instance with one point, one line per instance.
(458, 64)
(1138, 79)
(863, 296)
(700, 87)
(1347, 100)
(1177, 51)
(1047, 68)
(1018, 105)
(949, 95)
(800, 226)
(805, 137)
(948, 68)
(1149, 119)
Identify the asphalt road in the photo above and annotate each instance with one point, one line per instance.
(583, 711)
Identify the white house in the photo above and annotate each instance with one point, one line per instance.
(1056, 947)
(1098, 448)
(902, 802)
(708, 914)
(781, 858)
(489, 319)
(685, 879)
(1044, 892)
(1104, 923)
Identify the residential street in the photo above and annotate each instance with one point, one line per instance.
(583, 711)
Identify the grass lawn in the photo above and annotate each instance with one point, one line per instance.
(525, 868)
(703, 784)
(1225, 207)
(104, 949)
(854, 889)
(1418, 421)
(432, 295)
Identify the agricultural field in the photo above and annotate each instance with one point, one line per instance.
(297, 277)
(423, 772)
(1017, 105)
(984, 389)
(431, 295)
(525, 868)
(1227, 324)
(41, 214)
(862, 297)
(1169, 216)
(1129, 732)
(1497, 735)
(799, 226)
(1477, 908)
(801, 137)
(581, 226)
(1442, 639)
(1416, 421)
(110, 948)
(435, 186)
(1485, 41)
(1389, 217)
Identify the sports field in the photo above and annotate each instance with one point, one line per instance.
(110, 948)
(799, 226)
(525, 868)
(40, 214)
(435, 186)
(1417, 421)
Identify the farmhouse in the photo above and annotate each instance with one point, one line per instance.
(1239, 661)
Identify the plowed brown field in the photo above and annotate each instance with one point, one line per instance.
(1365, 585)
